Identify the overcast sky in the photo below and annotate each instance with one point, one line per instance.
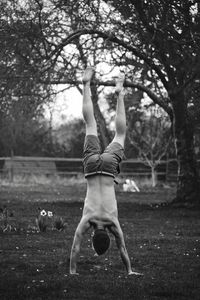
(67, 105)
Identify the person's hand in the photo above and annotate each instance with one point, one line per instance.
(135, 273)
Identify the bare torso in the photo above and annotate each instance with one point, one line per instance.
(100, 205)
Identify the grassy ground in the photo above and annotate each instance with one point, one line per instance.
(163, 243)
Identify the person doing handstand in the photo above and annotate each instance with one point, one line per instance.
(100, 206)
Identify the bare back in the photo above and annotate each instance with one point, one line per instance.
(100, 201)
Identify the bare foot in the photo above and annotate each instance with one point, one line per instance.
(135, 273)
(119, 83)
(87, 75)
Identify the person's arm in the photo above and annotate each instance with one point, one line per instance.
(81, 229)
(119, 238)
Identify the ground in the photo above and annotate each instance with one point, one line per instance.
(163, 243)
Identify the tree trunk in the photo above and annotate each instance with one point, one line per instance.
(104, 135)
(188, 184)
(153, 176)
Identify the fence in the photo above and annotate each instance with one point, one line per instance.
(11, 166)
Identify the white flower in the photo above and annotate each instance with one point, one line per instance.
(50, 214)
(43, 213)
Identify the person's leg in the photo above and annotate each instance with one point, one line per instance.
(120, 118)
(87, 108)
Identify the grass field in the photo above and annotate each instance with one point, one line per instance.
(163, 243)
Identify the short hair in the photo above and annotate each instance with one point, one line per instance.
(100, 241)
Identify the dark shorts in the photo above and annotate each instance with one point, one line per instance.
(97, 162)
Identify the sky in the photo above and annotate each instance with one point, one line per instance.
(67, 105)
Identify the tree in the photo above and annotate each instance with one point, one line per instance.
(149, 132)
(22, 95)
(164, 35)
(70, 137)
(155, 42)
(169, 35)
(37, 28)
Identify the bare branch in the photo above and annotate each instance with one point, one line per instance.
(152, 95)
(111, 37)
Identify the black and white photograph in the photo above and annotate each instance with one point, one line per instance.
(100, 150)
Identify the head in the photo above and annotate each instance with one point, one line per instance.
(100, 241)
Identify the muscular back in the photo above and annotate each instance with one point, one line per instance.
(100, 199)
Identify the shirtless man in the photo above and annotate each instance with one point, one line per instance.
(100, 208)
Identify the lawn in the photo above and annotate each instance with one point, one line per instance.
(163, 243)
